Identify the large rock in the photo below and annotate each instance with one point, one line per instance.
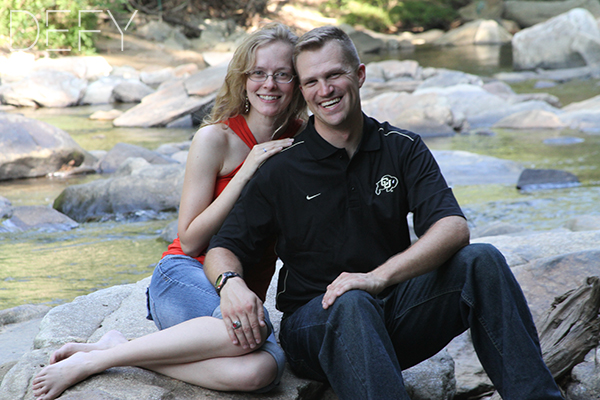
(149, 188)
(45, 88)
(101, 90)
(426, 114)
(122, 151)
(33, 148)
(585, 383)
(531, 119)
(466, 101)
(464, 168)
(537, 179)
(205, 82)
(475, 32)
(529, 13)
(83, 67)
(122, 308)
(39, 218)
(131, 91)
(163, 106)
(570, 34)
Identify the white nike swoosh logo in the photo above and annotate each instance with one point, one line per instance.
(313, 196)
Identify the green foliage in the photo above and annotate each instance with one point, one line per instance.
(422, 14)
(61, 24)
(391, 15)
(367, 15)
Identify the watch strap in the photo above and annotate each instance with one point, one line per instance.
(222, 279)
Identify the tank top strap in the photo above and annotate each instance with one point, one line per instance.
(240, 127)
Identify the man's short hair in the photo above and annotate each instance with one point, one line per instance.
(319, 37)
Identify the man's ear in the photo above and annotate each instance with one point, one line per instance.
(362, 74)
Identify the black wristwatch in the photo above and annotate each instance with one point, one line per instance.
(222, 279)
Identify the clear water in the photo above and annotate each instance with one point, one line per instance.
(37, 267)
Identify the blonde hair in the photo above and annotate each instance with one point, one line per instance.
(231, 97)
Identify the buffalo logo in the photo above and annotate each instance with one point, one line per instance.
(387, 183)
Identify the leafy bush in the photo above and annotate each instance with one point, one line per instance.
(61, 24)
(422, 14)
(391, 15)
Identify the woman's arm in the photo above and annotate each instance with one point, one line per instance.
(199, 216)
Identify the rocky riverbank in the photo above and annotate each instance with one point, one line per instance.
(131, 179)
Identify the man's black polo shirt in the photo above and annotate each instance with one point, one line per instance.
(333, 214)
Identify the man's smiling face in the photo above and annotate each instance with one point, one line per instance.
(331, 86)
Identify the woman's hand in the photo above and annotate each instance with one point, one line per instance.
(259, 154)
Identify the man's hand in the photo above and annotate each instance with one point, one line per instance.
(349, 281)
(238, 303)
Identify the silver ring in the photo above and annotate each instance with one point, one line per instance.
(265, 150)
(237, 325)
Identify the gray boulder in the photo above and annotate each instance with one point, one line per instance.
(89, 317)
(570, 34)
(538, 179)
(122, 151)
(467, 101)
(489, 118)
(39, 218)
(529, 13)
(426, 114)
(585, 383)
(150, 188)
(531, 119)
(83, 67)
(464, 168)
(163, 106)
(390, 70)
(46, 89)
(32, 148)
(587, 121)
(532, 246)
(546, 278)
(205, 82)
(101, 90)
(131, 91)
(445, 78)
(477, 32)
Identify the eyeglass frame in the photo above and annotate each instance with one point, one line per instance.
(249, 74)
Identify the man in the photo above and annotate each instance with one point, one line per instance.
(360, 302)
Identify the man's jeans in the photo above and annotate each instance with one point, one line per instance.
(361, 343)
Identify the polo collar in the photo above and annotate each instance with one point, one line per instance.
(320, 149)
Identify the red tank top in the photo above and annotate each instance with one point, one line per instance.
(259, 276)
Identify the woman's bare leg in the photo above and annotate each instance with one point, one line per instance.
(109, 340)
(190, 342)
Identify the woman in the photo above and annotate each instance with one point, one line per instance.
(258, 102)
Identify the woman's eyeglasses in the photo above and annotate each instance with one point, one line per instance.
(279, 77)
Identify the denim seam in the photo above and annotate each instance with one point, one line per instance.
(483, 324)
(449, 291)
(173, 281)
(346, 352)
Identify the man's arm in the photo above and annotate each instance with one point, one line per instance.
(441, 241)
(238, 302)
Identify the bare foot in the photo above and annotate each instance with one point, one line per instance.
(55, 379)
(109, 340)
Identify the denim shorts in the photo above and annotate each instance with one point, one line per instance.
(180, 291)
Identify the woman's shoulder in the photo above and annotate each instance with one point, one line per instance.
(214, 136)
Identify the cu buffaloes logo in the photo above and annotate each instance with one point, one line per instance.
(387, 183)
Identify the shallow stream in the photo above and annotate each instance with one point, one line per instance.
(53, 268)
